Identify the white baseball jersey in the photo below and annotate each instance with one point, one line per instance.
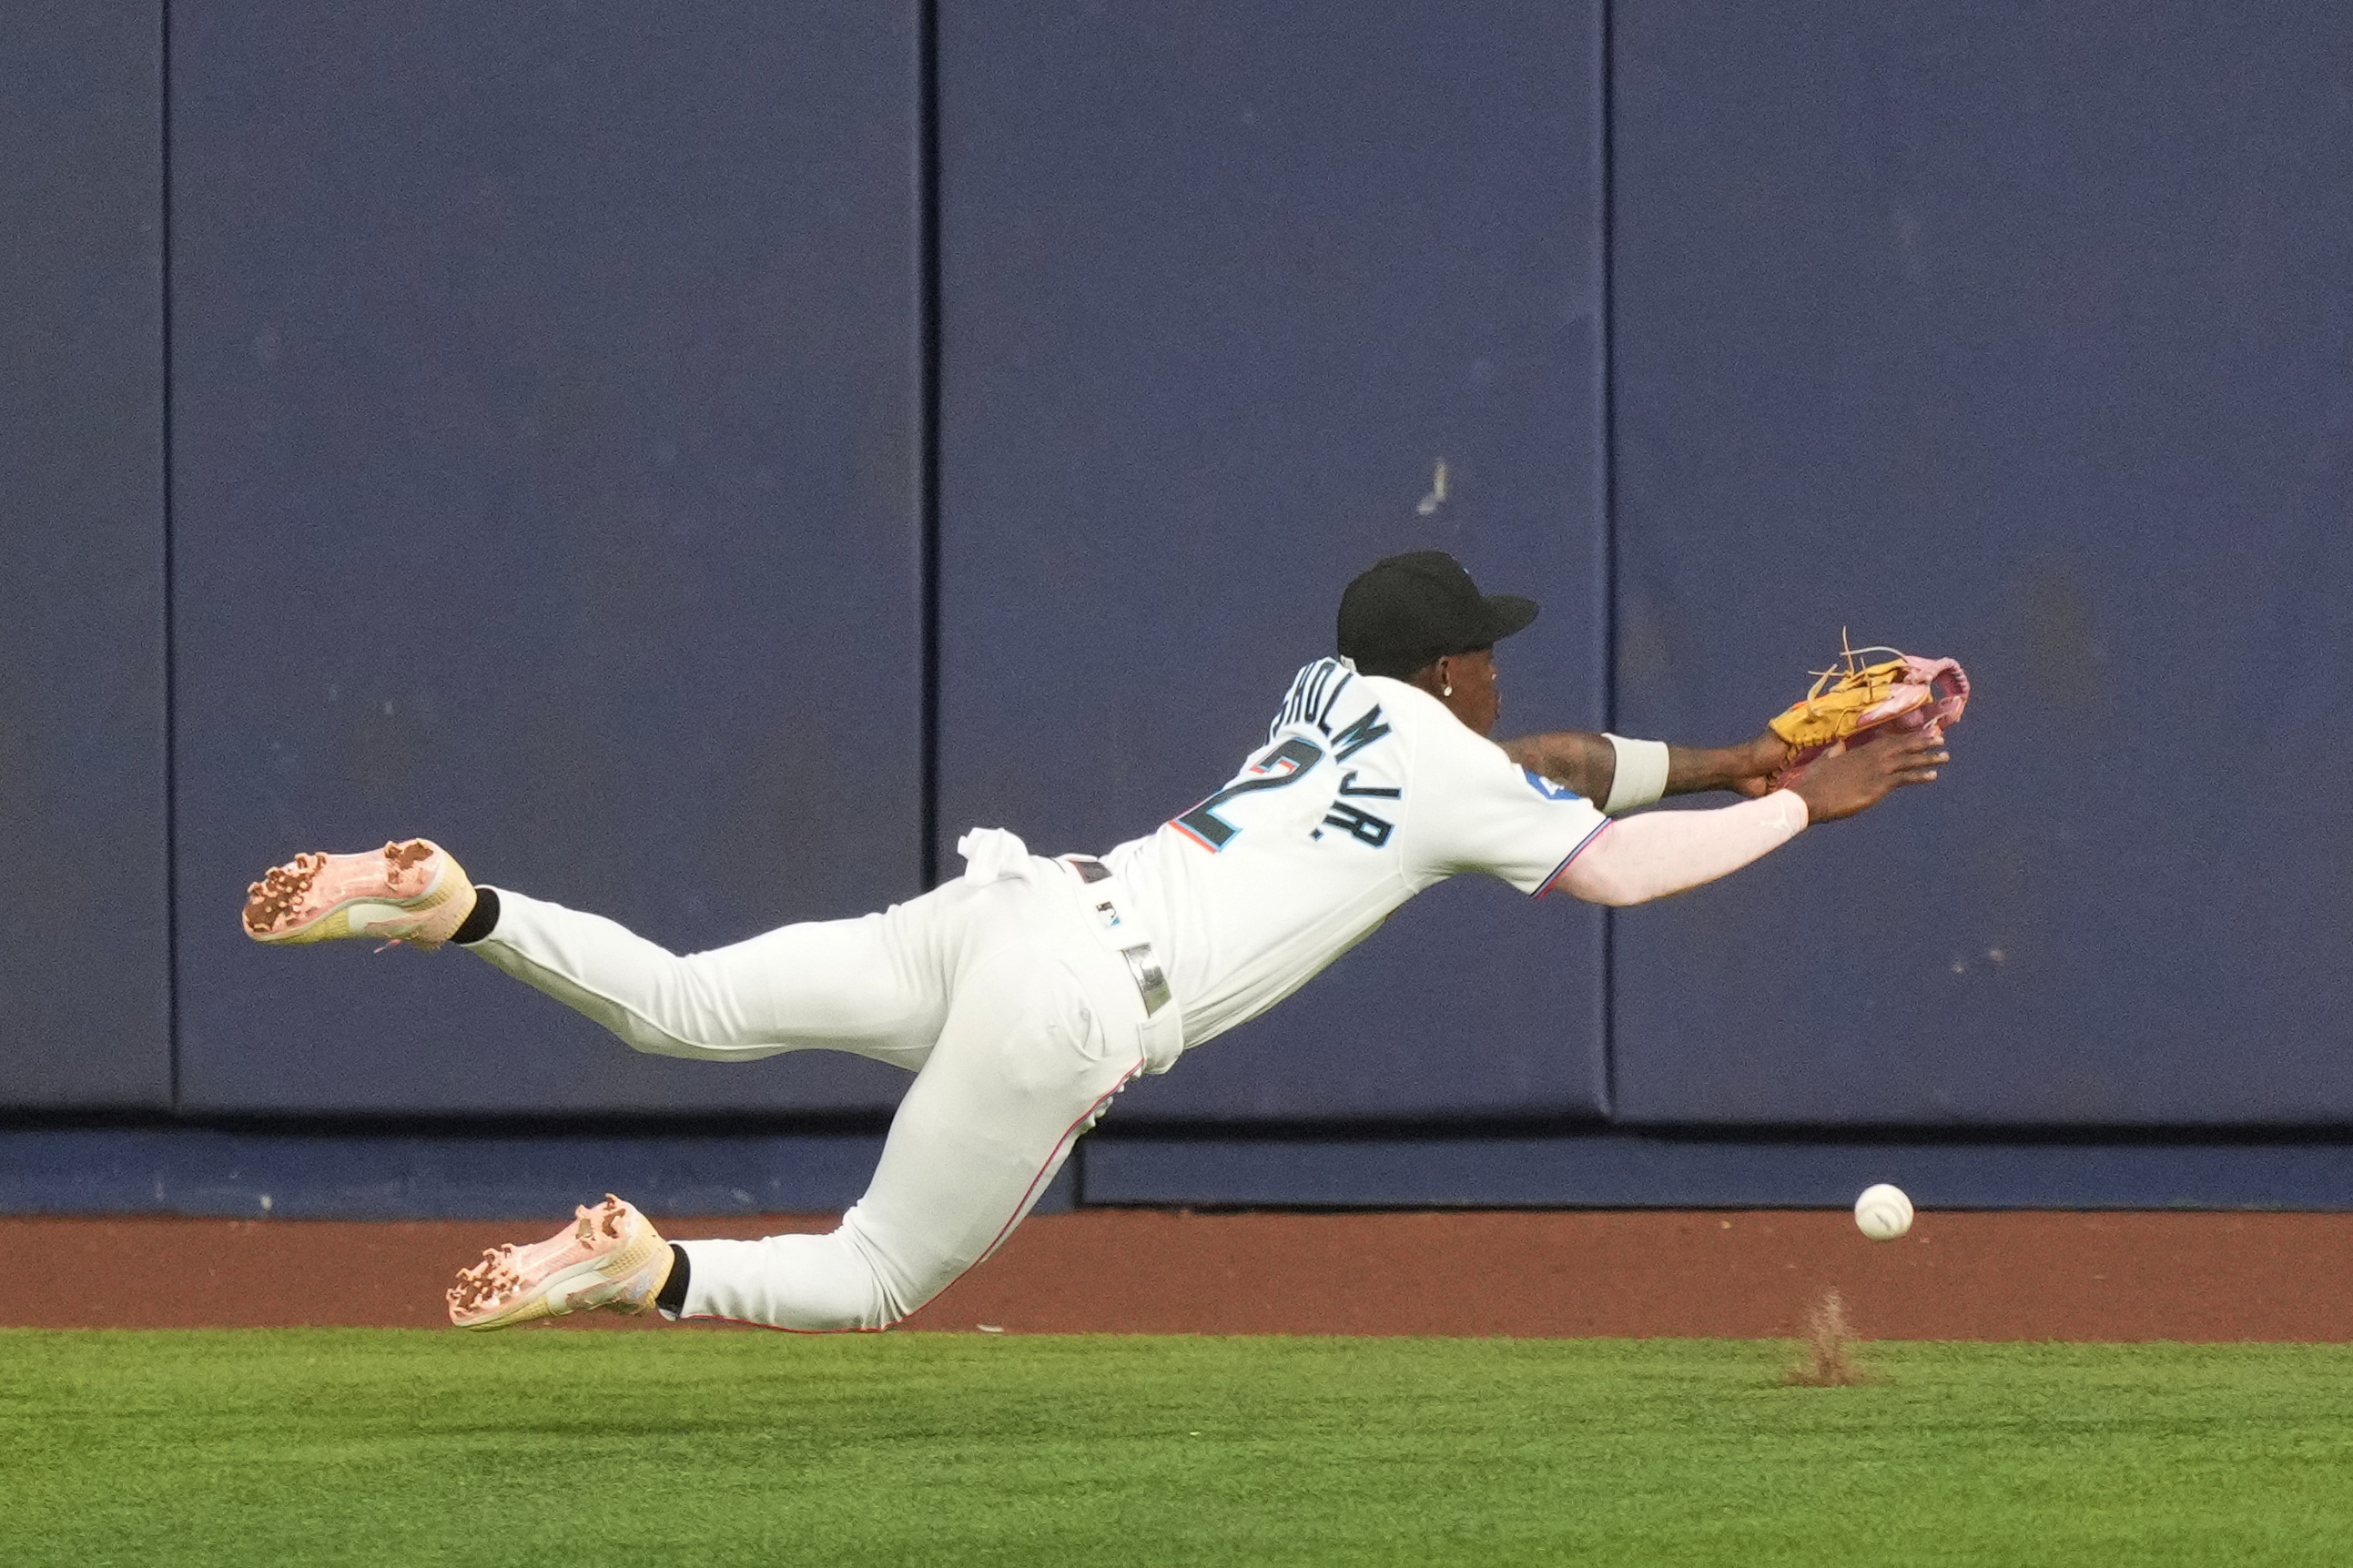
(1367, 791)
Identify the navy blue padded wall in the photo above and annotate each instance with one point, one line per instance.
(2019, 335)
(85, 958)
(546, 474)
(1221, 286)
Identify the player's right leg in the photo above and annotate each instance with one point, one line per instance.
(867, 985)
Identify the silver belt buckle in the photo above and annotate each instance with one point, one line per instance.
(1150, 984)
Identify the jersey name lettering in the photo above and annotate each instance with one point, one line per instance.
(1356, 820)
(1313, 694)
(1368, 728)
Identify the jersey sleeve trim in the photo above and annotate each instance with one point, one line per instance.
(1545, 885)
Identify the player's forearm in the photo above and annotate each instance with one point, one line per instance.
(1646, 857)
(1593, 764)
(1692, 769)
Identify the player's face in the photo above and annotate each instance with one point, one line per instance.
(1476, 702)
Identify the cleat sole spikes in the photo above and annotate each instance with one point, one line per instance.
(609, 1255)
(410, 891)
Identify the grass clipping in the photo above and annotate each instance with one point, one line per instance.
(1829, 1361)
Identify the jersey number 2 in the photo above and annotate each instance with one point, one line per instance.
(1284, 764)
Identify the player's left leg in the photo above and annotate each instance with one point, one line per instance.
(1028, 1059)
(610, 1255)
(1044, 1025)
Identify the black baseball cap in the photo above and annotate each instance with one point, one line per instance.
(1404, 612)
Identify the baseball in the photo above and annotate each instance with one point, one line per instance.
(1883, 1213)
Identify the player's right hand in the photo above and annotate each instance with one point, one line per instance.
(1842, 782)
(1753, 764)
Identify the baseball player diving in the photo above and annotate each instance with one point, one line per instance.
(1027, 991)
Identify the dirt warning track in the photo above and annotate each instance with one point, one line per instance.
(2198, 1277)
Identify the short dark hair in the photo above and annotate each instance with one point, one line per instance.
(1405, 667)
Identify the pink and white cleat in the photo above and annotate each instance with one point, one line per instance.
(610, 1255)
(414, 891)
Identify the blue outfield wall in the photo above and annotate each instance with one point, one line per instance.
(2020, 336)
(290, 1172)
(84, 954)
(1610, 1168)
(546, 467)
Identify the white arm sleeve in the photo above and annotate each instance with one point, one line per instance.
(1645, 857)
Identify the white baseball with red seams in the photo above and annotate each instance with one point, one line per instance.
(1883, 1213)
(1014, 995)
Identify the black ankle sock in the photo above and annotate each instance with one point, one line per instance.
(671, 1297)
(481, 920)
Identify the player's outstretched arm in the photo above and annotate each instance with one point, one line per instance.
(1649, 857)
(1587, 763)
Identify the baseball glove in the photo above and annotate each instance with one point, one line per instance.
(1858, 703)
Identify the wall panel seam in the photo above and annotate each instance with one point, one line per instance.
(170, 597)
(927, 393)
(1606, 475)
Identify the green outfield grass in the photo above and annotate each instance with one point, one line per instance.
(689, 1448)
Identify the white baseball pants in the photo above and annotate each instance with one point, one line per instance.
(1017, 1022)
